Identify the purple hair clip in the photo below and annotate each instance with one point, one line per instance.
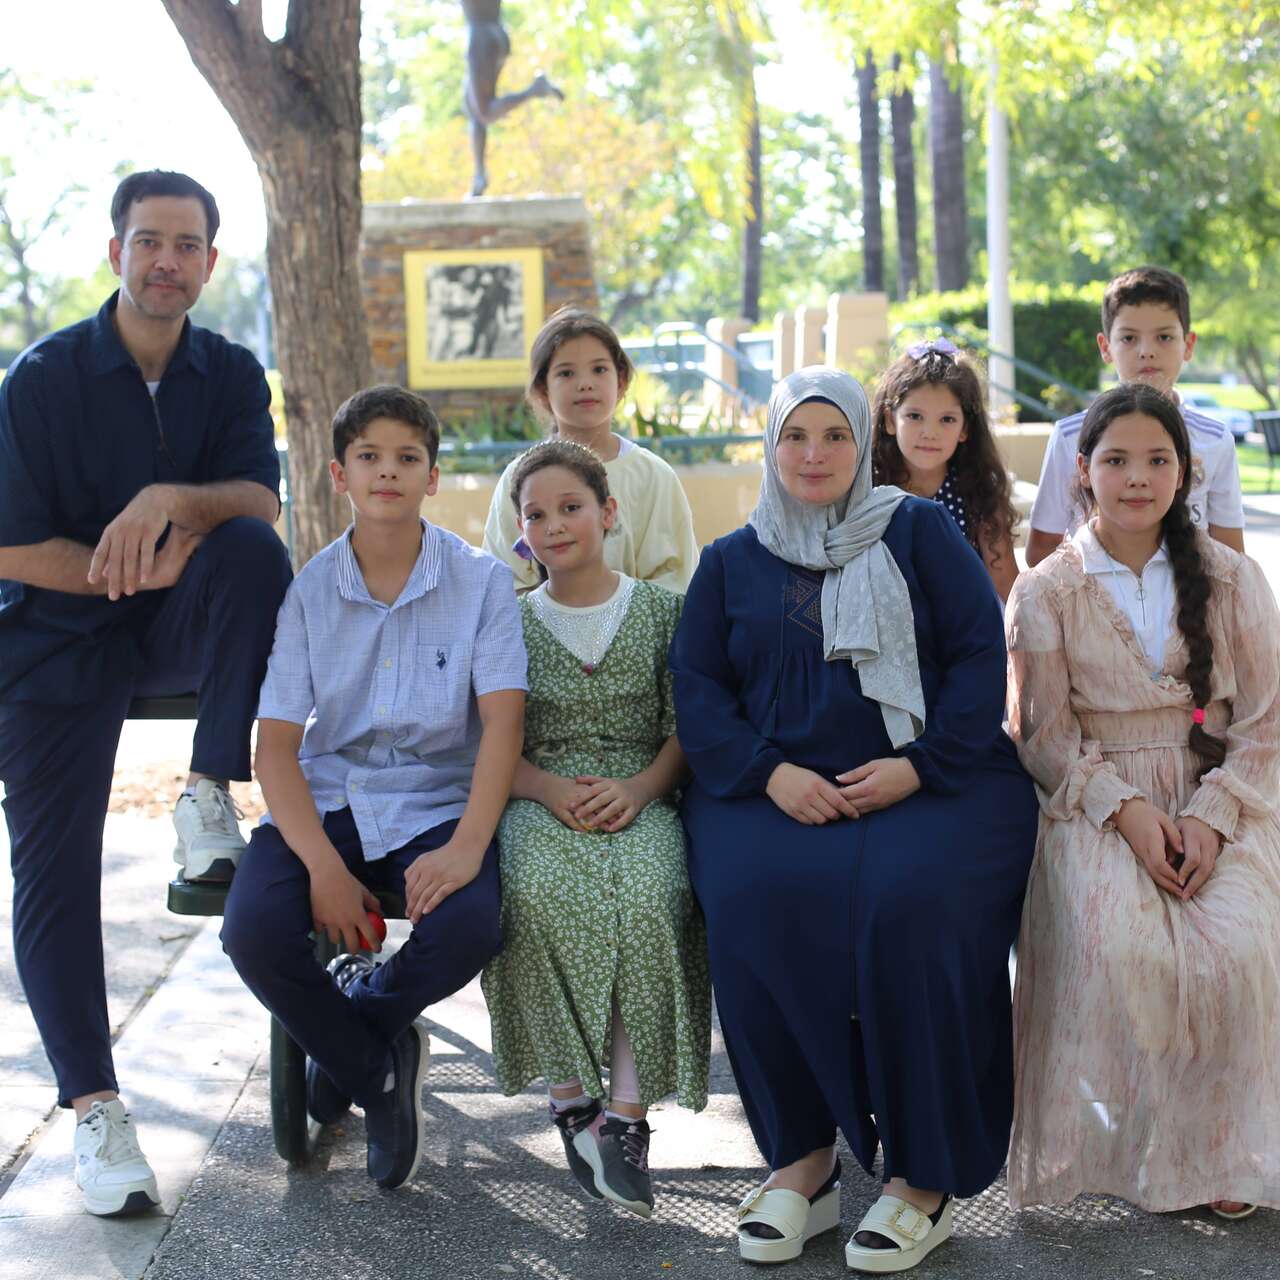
(521, 548)
(939, 346)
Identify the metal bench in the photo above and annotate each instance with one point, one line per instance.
(294, 1132)
(1268, 422)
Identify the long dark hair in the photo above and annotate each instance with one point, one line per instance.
(1191, 582)
(569, 323)
(981, 479)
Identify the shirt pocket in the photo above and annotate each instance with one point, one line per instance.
(440, 692)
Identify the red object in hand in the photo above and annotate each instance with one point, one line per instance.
(379, 926)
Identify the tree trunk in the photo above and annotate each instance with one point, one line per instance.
(296, 102)
(753, 230)
(946, 156)
(869, 156)
(902, 112)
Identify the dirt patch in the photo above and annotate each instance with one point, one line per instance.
(151, 790)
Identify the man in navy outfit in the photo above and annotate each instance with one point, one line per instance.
(138, 486)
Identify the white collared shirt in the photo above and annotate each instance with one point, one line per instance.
(1151, 614)
(387, 693)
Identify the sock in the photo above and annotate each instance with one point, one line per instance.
(614, 1115)
(566, 1104)
(188, 791)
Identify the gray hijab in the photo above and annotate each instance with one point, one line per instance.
(866, 610)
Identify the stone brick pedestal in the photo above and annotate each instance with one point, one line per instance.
(556, 225)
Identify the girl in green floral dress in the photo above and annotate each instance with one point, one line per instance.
(604, 955)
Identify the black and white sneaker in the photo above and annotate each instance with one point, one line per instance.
(572, 1122)
(326, 1103)
(393, 1124)
(623, 1175)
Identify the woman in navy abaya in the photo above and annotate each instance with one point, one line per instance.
(860, 833)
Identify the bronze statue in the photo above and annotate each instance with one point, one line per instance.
(487, 49)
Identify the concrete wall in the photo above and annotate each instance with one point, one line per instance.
(722, 494)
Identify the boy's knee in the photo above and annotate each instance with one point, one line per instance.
(248, 932)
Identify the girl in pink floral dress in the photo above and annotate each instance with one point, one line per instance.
(1145, 703)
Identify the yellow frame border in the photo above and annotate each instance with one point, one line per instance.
(430, 375)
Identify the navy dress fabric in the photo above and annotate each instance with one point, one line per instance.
(861, 967)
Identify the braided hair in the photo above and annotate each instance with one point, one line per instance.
(1191, 581)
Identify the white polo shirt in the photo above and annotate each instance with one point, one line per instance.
(1215, 476)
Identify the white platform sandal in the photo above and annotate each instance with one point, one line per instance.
(911, 1230)
(795, 1216)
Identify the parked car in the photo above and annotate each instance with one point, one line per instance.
(1238, 421)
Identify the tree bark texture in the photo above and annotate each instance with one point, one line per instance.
(946, 157)
(902, 114)
(753, 229)
(296, 102)
(869, 157)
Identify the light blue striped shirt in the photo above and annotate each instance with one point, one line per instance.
(387, 693)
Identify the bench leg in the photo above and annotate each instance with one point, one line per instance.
(294, 1131)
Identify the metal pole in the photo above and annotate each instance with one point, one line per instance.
(999, 302)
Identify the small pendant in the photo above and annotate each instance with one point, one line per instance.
(588, 668)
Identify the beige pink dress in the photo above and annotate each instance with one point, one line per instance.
(1147, 1029)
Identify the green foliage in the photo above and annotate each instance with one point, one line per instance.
(1053, 328)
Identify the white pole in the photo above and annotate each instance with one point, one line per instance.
(999, 303)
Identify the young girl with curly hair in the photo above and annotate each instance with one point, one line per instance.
(932, 438)
(1145, 703)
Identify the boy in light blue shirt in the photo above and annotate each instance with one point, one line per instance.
(389, 727)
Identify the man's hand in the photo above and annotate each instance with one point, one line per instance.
(172, 558)
(879, 783)
(338, 906)
(126, 552)
(807, 796)
(1201, 845)
(610, 803)
(433, 876)
(1154, 839)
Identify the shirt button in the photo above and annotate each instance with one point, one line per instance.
(608, 893)
(387, 663)
(355, 786)
(382, 711)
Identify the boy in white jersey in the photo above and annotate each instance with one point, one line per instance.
(1146, 334)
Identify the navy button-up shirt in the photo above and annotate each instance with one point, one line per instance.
(80, 436)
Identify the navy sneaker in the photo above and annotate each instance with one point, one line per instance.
(623, 1176)
(326, 1103)
(572, 1122)
(393, 1123)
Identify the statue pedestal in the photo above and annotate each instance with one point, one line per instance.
(455, 290)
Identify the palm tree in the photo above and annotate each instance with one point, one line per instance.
(946, 155)
(902, 114)
(869, 156)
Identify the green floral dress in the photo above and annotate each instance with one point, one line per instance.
(588, 914)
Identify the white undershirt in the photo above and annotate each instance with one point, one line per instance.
(1151, 614)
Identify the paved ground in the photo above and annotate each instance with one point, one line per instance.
(492, 1198)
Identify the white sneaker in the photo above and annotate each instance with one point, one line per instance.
(209, 840)
(111, 1170)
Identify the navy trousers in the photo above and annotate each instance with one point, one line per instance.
(267, 933)
(212, 631)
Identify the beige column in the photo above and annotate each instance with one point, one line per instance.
(784, 344)
(809, 322)
(719, 364)
(857, 328)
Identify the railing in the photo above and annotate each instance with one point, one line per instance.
(671, 336)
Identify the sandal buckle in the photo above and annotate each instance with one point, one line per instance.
(910, 1221)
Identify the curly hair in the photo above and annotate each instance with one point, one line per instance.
(981, 479)
(1191, 582)
(569, 323)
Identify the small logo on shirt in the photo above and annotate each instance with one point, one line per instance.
(440, 659)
